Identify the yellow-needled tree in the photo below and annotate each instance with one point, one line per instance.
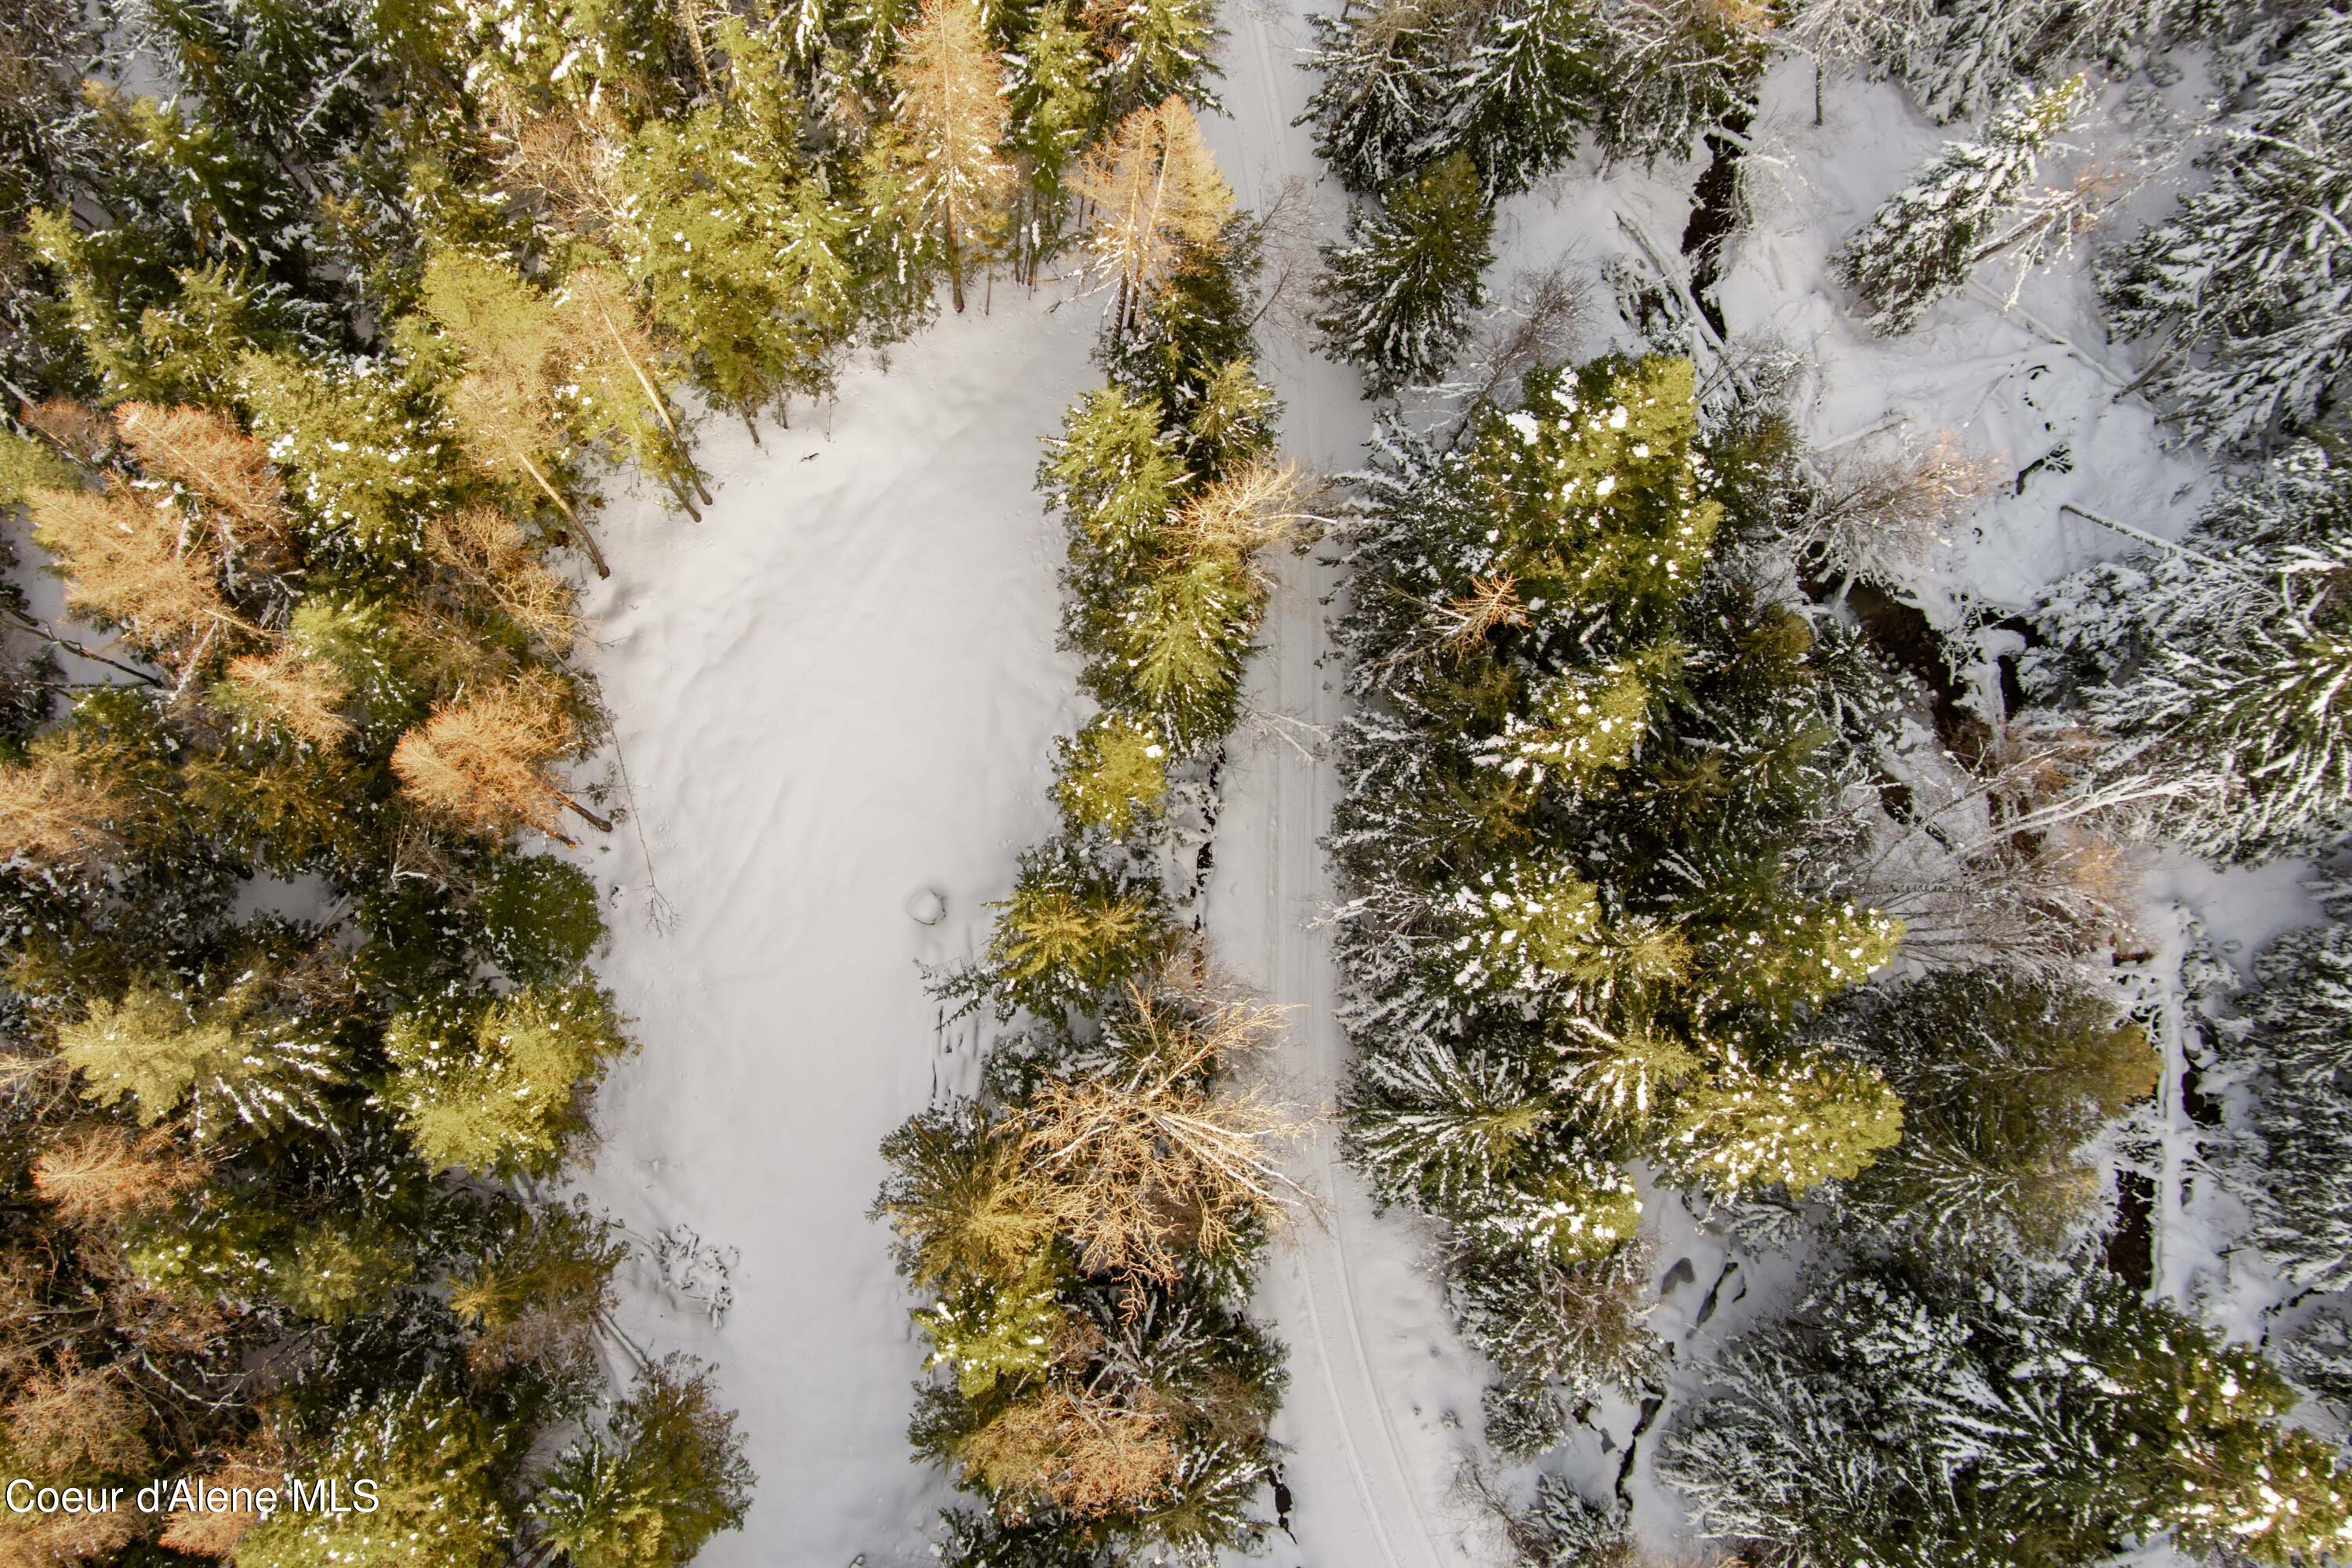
(947, 139)
(1153, 189)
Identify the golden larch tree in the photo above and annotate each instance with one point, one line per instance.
(1154, 188)
(101, 1173)
(486, 762)
(205, 451)
(49, 811)
(505, 401)
(134, 562)
(607, 345)
(951, 117)
(304, 697)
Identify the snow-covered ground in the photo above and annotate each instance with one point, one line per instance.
(840, 690)
(837, 691)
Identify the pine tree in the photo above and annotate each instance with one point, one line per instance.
(2003, 1080)
(1669, 70)
(434, 1462)
(216, 1064)
(536, 1288)
(1921, 244)
(1557, 1334)
(947, 135)
(665, 1475)
(500, 1089)
(739, 245)
(1398, 297)
(1156, 191)
(1054, 107)
(2208, 664)
(2266, 726)
(2038, 1420)
(364, 452)
(1593, 749)
(1113, 775)
(1183, 638)
(962, 1198)
(2245, 281)
(1798, 1123)
(1071, 933)
(540, 918)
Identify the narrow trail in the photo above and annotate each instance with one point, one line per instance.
(1359, 1492)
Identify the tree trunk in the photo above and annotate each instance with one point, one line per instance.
(654, 396)
(600, 824)
(572, 518)
(689, 16)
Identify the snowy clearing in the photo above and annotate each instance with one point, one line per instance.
(837, 691)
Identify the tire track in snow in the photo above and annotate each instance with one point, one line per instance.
(1300, 792)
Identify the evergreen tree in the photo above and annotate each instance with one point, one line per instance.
(1071, 932)
(433, 1462)
(2003, 1080)
(1800, 1121)
(2292, 1171)
(960, 1199)
(1398, 295)
(2217, 670)
(665, 1475)
(1114, 775)
(215, 1063)
(1153, 50)
(539, 916)
(294, 279)
(1592, 756)
(498, 1088)
(1921, 244)
(365, 452)
(1903, 1417)
(1387, 74)
(1054, 106)
(1525, 92)
(741, 246)
(1672, 69)
(2245, 281)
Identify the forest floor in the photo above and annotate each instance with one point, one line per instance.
(838, 693)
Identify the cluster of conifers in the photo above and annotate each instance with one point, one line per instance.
(314, 355)
(1085, 1225)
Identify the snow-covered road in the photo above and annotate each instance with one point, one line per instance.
(1377, 1378)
